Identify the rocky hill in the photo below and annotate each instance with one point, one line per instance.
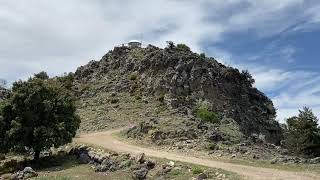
(178, 80)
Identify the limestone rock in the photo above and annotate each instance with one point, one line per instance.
(140, 174)
(140, 158)
(202, 176)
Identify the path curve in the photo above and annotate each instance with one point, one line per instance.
(108, 141)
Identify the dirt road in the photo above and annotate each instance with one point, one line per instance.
(106, 140)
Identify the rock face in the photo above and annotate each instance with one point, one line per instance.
(181, 78)
(3, 93)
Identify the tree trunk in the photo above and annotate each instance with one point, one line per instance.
(36, 155)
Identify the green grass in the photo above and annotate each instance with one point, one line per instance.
(197, 170)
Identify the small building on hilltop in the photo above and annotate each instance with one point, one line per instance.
(134, 44)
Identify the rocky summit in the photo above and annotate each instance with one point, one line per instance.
(181, 79)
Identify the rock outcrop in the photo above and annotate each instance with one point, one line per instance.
(4, 93)
(182, 78)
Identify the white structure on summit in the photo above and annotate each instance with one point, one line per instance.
(134, 43)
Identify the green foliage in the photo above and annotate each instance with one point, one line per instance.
(175, 172)
(41, 75)
(114, 100)
(211, 146)
(197, 170)
(302, 134)
(203, 55)
(160, 98)
(206, 115)
(66, 80)
(133, 76)
(38, 115)
(170, 44)
(248, 77)
(183, 47)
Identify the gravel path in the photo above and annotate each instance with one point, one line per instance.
(106, 140)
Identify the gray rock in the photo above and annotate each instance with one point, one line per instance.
(140, 174)
(101, 168)
(202, 176)
(150, 164)
(214, 136)
(274, 161)
(17, 176)
(315, 160)
(27, 173)
(84, 158)
(140, 158)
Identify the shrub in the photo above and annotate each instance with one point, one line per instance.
(197, 170)
(41, 75)
(133, 76)
(247, 77)
(114, 100)
(66, 80)
(211, 146)
(183, 47)
(204, 113)
(302, 134)
(203, 55)
(138, 97)
(160, 98)
(170, 44)
(207, 115)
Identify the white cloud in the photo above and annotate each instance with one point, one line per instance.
(58, 36)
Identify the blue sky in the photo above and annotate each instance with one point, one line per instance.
(277, 41)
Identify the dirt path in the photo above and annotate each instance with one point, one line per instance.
(106, 140)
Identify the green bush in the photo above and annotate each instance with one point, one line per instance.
(206, 115)
(197, 170)
(183, 47)
(114, 100)
(41, 75)
(248, 77)
(211, 146)
(203, 55)
(160, 98)
(133, 76)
